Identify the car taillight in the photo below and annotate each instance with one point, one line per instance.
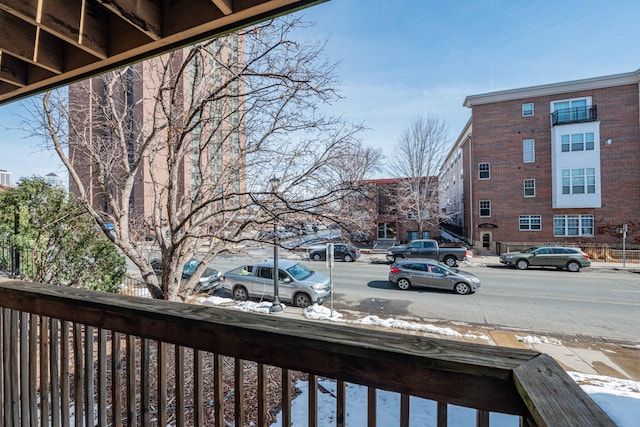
(395, 270)
(586, 256)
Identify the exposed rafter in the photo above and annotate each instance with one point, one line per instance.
(48, 43)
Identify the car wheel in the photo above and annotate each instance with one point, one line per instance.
(573, 266)
(317, 257)
(397, 258)
(451, 261)
(403, 284)
(462, 288)
(240, 293)
(522, 264)
(302, 300)
(347, 258)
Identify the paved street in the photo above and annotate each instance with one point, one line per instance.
(588, 321)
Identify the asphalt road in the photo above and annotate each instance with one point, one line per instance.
(595, 303)
(603, 303)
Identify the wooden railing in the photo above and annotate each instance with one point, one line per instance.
(84, 358)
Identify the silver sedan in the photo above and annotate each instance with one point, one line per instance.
(431, 274)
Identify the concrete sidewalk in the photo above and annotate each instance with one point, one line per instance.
(579, 355)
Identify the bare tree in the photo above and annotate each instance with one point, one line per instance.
(417, 158)
(224, 146)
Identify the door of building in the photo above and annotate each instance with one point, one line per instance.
(387, 230)
(486, 240)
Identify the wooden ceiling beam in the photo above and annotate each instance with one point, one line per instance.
(225, 6)
(12, 70)
(49, 43)
(145, 15)
(63, 19)
(82, 24)
(24, 41)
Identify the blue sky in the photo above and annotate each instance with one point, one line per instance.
(398, 59)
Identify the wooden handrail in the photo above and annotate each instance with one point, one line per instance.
(488, 378)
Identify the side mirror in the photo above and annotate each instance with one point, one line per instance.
(286, 280)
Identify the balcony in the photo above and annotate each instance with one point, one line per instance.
(574, 115)
(72, 356)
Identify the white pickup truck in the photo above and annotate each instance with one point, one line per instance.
(296, 283)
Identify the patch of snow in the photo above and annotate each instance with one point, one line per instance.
(538, 340)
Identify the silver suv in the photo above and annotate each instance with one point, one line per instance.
(573, 259)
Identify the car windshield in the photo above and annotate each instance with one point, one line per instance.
(299, 272)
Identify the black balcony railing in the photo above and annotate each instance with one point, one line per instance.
(574, 115)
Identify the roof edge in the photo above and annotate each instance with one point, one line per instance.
(554, 88)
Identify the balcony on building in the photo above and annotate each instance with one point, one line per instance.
(565, 116)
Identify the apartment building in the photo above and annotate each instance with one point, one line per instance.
(217, 140)
(552, 163)
(382, 205)
(451, 181)
(5, 178)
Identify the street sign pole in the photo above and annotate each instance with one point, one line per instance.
(624, 245)
(330, 261)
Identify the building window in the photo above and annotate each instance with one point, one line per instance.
(485, 208)
(577, 142)
(530, 222)
(528, 151)
(579, 181)
(529, 188)
(527, 109)
(484, 170)
(571, 110)
(413, 215)
(573, 225)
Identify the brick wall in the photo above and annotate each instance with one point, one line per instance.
(498, 132)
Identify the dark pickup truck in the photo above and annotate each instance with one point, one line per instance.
(428, 248)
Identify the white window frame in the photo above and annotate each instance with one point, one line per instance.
(570, 143)
(583, 224)
(487, 206)
(526, 111)
(487, 170)
(525, 187)
(571, 179)
(530, 223)
(526, 150)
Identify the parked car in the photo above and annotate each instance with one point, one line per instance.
(347, 253)
(427, 273)
(573, 259)
(209, 280)
(296, 283)
(428, 248)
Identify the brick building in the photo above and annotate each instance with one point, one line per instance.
(553, 163)
(217, 140)
(387, 219)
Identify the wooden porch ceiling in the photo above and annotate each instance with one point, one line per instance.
(49, 43)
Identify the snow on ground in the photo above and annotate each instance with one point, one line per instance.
(620, 399)
(538, 340)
